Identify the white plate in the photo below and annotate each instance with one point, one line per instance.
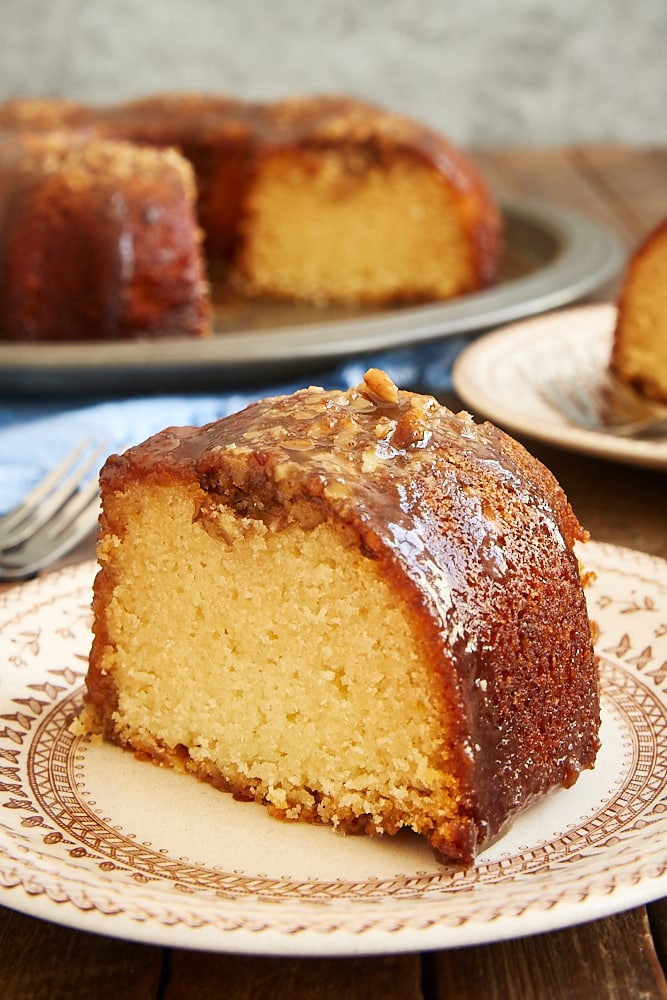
(552, 258)
(501, 376)
(92, 838)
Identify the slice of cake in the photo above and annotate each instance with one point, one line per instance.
(355, 607)
(639, 353)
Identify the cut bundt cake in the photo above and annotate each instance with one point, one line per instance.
(101, 241)
(322, 200)
(357, 608)
(639, 352)
(351, 204)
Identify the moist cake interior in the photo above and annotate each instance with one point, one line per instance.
(323, 725)
(639, 353)
(375, 217)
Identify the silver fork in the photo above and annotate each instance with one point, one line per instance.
(600, 402)
(53, 517)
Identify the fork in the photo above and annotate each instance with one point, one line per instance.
(602, 403)
(53, 517)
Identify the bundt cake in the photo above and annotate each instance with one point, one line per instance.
(357, 608)
(101, 241)
(639, 352)
(323, 200)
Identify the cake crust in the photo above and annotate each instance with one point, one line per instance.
(259, 134)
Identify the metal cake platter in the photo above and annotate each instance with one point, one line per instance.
(552, 258)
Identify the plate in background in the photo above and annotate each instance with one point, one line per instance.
(504, 377)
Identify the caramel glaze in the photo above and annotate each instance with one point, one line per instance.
(473, 531)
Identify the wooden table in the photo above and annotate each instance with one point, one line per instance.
(622, 956)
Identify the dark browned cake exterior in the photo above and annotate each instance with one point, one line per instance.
(448, 684)
(100, 241)
(43, 114)
(216, 135)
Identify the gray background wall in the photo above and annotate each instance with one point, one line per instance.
(514, 72)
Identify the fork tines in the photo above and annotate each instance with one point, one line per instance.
(54, 516)
(603, 403)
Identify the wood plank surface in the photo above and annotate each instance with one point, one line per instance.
(657, 916)
(554, 176)
(200, 977)
(40, 960)
(602, 960)
(632, 182)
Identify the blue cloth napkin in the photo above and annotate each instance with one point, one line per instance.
(36, 434)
